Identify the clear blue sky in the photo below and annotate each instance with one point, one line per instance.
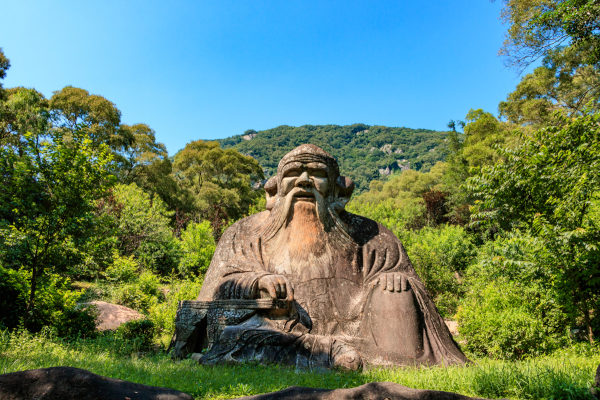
(211, 69)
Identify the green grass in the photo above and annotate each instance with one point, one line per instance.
(567, 374)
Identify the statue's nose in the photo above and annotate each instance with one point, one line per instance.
(303, 180)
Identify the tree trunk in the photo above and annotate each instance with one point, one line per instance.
(588, 324)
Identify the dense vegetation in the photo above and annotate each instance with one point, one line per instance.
(364, 152)
(500, 216)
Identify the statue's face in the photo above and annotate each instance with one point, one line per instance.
(307, 177)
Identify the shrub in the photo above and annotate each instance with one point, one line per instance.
(198, 246)
(55, 304)
(510, 309)
(163, 313)
(139, 331)
(140, 295)
(440, 256)
(122, 269)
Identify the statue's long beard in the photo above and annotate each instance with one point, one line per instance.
(299, 236)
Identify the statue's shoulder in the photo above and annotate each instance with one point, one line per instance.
(247, 224)
(364, 230)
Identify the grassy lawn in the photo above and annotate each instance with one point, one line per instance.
(567, 374)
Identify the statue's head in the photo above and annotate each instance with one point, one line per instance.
(308, 173)
(305, 200)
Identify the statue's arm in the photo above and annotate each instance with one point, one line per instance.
(237, 270)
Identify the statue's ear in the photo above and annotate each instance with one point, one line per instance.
(345, 187)
(271, 191)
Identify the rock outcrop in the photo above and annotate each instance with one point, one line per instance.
(111, 316)
(67, 383)
(369, 391)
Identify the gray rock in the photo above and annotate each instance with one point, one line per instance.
(369, 391)
(67, 383)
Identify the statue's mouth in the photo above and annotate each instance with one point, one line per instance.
(304, 196)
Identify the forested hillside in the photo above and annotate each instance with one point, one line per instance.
(364, 152)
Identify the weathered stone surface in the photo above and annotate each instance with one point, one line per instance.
(111, 316)
(353, 297)
(369, 391)
(66, 383)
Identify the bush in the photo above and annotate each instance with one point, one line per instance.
(140, 295)
(140, 331)
(122, 269)
(510, 309)
(163, 313)
(55, 305)
(440, 257)
(198, 246)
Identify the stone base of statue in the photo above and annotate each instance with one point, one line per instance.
(199, 324)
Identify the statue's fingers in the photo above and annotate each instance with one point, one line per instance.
(390, 282)
(383, 281)
(290, 292)
(404, 284)
(397, 282)
(271, 289)
(278, 288)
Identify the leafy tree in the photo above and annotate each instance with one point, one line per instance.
(512, 298)
(49, 187)
(549, 185)
(538, 26)
(143, 227)
(198, 246)
(563, 83)
(4, 66)
(220, 182)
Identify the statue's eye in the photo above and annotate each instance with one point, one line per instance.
(318, 173)
(292, 173)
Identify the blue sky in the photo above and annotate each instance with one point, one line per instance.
(211, 69)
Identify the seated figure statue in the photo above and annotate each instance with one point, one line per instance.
(355, 299)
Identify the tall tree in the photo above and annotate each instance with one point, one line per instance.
(220, 181)
(550, 186)
(539, 26)
(49, 185)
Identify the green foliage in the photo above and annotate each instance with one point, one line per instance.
(440, 257)
(219, 182)
(140, 331)
(539, 26)
(56, 305)
(163, 313)
(49, 187)
(562, 84)
(198, 246)
(141, 295)
(361, 150)
(123, 269)
(143, 227)
(512, 298)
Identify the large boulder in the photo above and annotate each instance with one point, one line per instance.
(111, 316)
(67, 383)
(369, 391)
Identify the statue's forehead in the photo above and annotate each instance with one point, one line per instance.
(305, 164)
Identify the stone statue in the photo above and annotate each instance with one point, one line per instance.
(322, 288)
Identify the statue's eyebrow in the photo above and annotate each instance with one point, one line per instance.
(316, 165)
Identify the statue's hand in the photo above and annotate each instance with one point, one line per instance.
(277, 286)
(392, 282)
